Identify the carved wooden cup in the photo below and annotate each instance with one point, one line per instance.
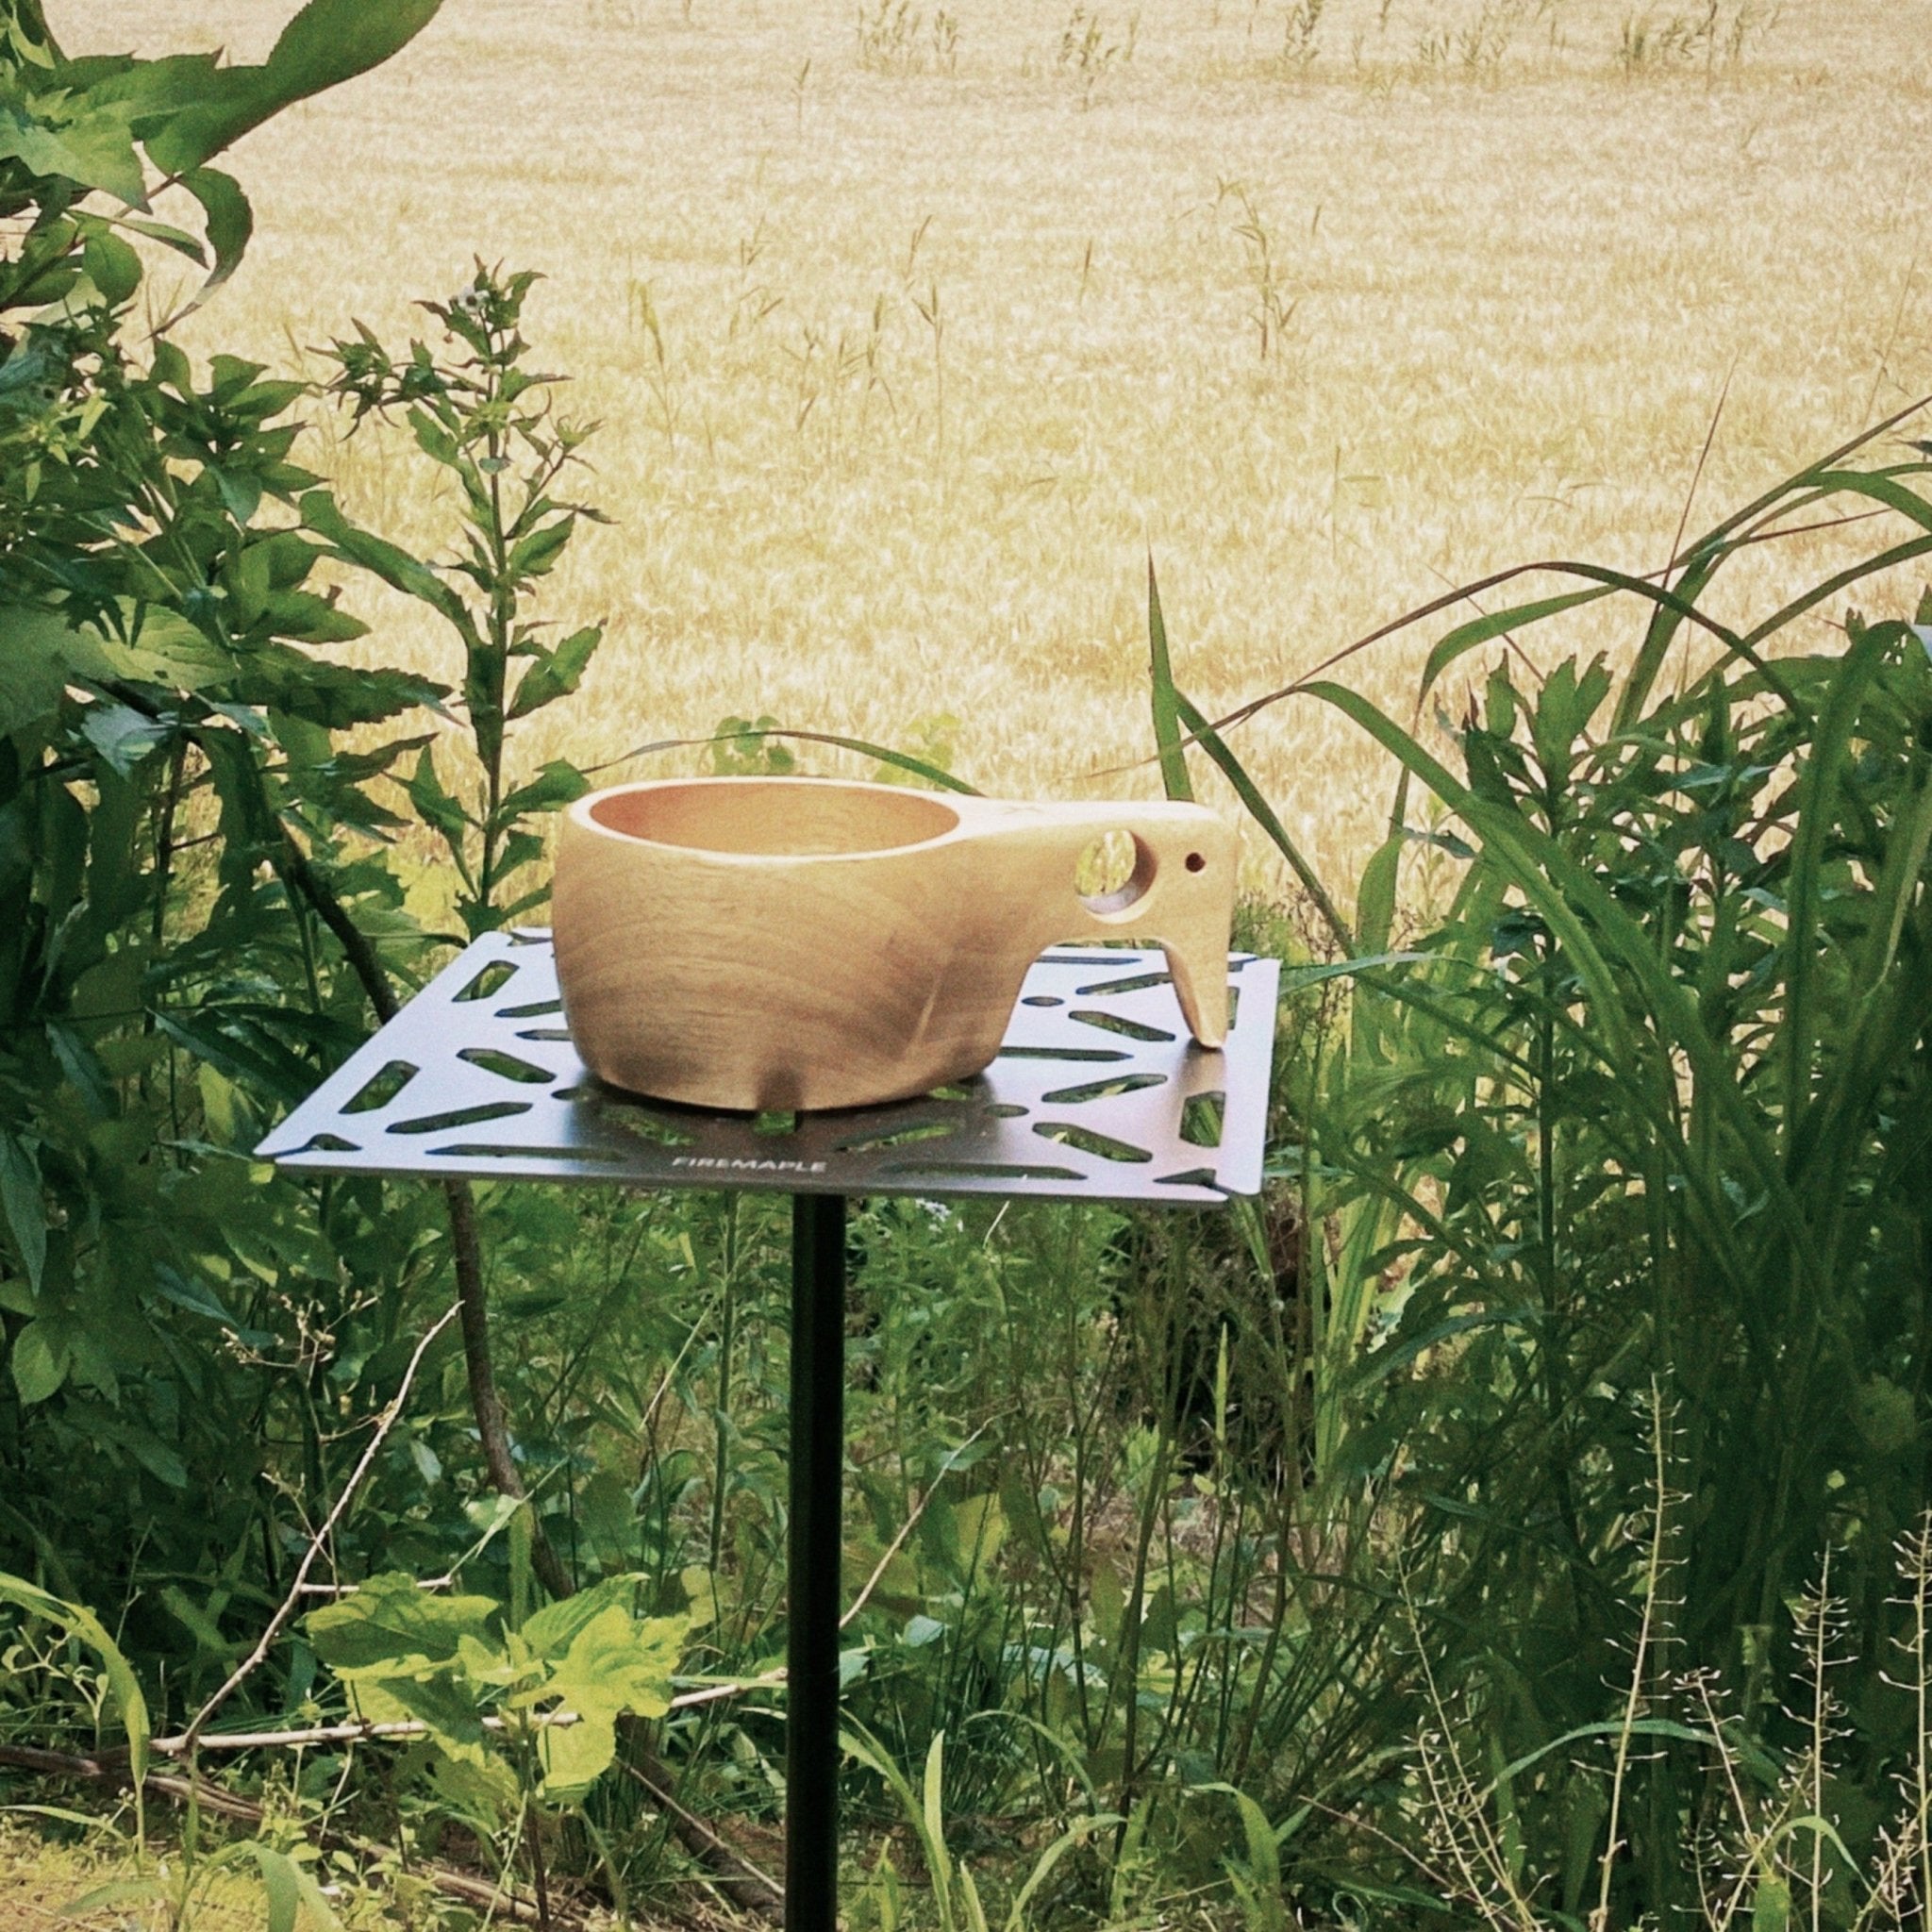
(795, 943)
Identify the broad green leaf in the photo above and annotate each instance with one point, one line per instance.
(536, 554)
(228, 221)
(328, 41)
(551, 1631)
(390, 1625)
(40, 1361)
(93, 149)
(44, 654)
(1771, 1903)
(433, 804)
(575, 1755)
(613, 1664)
(111, 265)
(290, 1887)
(124, 737)
(616, 1663)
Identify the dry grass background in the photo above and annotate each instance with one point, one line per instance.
(1516, 276)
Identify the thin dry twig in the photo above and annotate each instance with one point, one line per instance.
(906, 1528)
(390, 1415)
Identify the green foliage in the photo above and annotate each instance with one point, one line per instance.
(744, 747)
(559, 1681)
(488, 420)
(176, 813)
(1643, 1108)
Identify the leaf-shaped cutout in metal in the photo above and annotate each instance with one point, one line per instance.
(1118, 1022)
(1200, 1118)
(1103, 1089)
(647, 1125)
(461, 1117)
(381, 1086)
(1142, 982)
(1071, 1134)
(981, 1169)
(900, 1137)
(1060, 1053)
(492, 980)
(479, 1150)
(505, 1066)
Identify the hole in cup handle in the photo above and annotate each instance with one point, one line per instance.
(1108, 907)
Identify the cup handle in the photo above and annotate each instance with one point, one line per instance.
(1180, 892)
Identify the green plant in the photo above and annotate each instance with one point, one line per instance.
(186, 887)
(488, 421)
(1643, 1104)
(519, 1711)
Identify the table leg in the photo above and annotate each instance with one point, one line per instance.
(814, 1558)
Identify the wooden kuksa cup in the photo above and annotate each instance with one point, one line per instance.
(796, 943)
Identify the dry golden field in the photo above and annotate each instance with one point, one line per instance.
(1506, 275)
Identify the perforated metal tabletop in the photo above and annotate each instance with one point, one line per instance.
(1098, 1094)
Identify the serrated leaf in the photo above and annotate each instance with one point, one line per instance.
(557, 784)
(551, 1631)
(614, 1664)
(93, 149)
(328, 41)
(557, 672)
(433, 804)
(536, 554)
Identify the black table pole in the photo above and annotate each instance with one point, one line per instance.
(814, 1558)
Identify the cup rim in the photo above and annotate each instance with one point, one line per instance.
(585, 813)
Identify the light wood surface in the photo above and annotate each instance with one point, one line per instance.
(798, 944)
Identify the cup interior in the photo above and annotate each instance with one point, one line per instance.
(779, 818)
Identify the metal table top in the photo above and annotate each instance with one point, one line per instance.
(1098, 1094)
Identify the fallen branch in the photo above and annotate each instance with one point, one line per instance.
(358, 1732)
